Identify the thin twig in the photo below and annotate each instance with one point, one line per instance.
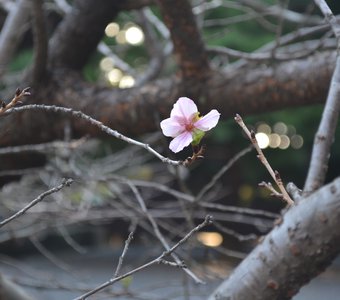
(220, 173)
(206, 221)
(70, 240)
(172, 264)
(240, 210)
(34, 202)
(94, 122)
(330, 18)
(274, 174)
(270, 188)
(157, 232)
(121, 258)
(19, 94)
(50, 256)
(44, 147)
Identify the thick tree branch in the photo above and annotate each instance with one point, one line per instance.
(79, 33)
(188, 45)
(139, 110)
(40, 42)
(294, 252)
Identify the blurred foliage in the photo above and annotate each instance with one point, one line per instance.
(21, 60)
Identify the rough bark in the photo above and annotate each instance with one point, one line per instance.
(189, 48)
(138, 110)
(294, 252)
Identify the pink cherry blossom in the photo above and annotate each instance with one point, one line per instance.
(185, 124)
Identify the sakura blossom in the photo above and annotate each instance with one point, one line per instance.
(186, 125)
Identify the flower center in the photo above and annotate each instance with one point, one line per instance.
(189, 127)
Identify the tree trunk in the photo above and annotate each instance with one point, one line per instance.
(299, 248)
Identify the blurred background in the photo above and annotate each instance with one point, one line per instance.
(72, 241)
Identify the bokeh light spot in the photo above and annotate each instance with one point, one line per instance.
(274, 140)
(296, 141)
(106, 64)
(112, 29)
(120, 37)
(114, 76)
(265, 128)
(280, 128)
(285, 142)
(210, 239)
(134, 35)
(246, 193)
(262, 140)
(126, 81)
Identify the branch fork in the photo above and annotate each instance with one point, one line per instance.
(274, 174)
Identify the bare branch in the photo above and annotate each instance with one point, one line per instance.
(45, 147)
(188, 45)
(49, 255)
(158, 233)
(325, 135)
(121, 258)
(40, 42)
(294, 252)
(330, 18)
(220, 173)
(274, 174)
(156, 51)
(155, 261)
(34, 202)
(101, 126)
(19, 95)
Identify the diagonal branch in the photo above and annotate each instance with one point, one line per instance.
(78, 35)
(325, 135)
(207, 221)
(34, 202)
(295, 251)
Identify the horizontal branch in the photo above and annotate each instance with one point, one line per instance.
(134, 111)
(93, 122)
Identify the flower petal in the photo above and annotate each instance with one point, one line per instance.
(181, 141)
(171, 127)
(185, 108)
(208, 121)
